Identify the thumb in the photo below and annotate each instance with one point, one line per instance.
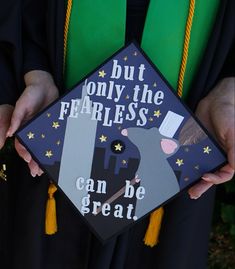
(231, 157)
(230, 146)
(17, 118)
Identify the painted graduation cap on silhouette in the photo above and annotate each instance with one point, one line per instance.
(120, 143)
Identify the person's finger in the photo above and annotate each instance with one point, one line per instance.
(34, 168)
(225, 174)
(40, 172)
(16, 119)
(199, 188)
(231, 152)
(22, 151)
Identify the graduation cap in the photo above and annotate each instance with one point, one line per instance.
(120, 143)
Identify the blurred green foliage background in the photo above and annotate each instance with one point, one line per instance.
(222, 239)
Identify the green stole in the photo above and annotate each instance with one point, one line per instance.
(97, 30)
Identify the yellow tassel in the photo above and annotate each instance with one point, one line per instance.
(51, 222)
(153, 231)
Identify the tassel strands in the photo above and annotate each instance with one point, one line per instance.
(154, 227)
(51, 221)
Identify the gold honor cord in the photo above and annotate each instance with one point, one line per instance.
(66, 27)
(186, 47)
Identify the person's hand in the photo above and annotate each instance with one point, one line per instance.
(217, 113)
(40, 91)
(5, 120)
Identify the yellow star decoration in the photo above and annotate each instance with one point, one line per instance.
(135, 53)
(55, 124)
(124, 161)
(103, 138)
(207, 150)
(150, 119)
(43, 136)
(48, 115)
(58, 142)
(49, 154)
(154, 84)
(30, 135)
(157, 113)
(125, 58)
(127, 97)
(102, 74)
(118, 147)
(179, 162)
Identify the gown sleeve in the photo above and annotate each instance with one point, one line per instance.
(9, 51)
(34, 36)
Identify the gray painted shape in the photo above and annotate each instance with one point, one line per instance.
(154, 171)
(77, 156)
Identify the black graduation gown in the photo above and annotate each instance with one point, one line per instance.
(10, 51)
(9, 90)
(14, 31)
(186, 224)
